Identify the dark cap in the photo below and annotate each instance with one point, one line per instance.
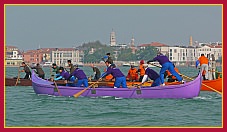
(61, 68)
(107, 53)
(54, 64)
(108, 62)
(113, 65)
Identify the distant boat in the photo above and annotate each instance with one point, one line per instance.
(130, 63)
(154, 64)
(47, 64)
(126, 64)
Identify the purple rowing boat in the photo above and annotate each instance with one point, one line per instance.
(187, 90)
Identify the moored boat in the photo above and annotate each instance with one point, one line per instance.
(187, 90)
(20, 82)
(24, 82)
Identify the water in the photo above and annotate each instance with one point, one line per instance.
(26, 109)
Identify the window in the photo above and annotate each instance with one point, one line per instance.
(175, 50)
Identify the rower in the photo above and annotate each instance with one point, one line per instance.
(39, 70)
(132, 74)
(96, 71)
(26, 70)
(109, 58)
(81, 76)
(64, 74)
(204, 65)
(70, 66)
(152, 75)
(120, 79)
(212, 68)
(141, 70)
(166, 65)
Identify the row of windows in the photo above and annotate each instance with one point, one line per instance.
(171, 58)
(204, 49)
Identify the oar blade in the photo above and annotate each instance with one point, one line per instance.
(79, 93)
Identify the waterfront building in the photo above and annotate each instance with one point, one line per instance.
(13, 56)
(60, 56)
(186, 55)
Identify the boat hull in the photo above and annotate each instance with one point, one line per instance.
(21, 82)
(188, 90)
(215, 84)
(24, 82)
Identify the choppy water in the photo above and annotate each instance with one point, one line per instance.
(26, 109)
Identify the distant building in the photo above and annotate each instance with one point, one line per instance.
(13, 56)
(60, 56)
(187, 55)
(113, 38)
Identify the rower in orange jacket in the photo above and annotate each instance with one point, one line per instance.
(141, 70)
(132, 74)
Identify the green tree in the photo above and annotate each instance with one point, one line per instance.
(147, 53)
(126, 55)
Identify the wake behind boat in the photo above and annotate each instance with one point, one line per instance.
(187, 90)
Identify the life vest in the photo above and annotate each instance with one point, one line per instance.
(108, 77)
(142, 70)
(132, 74)
(169, 74)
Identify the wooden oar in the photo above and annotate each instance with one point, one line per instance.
(18, 77)
(56, 86)
(82, 91)
(192, 79)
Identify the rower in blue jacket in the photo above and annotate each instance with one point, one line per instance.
(120, 79)
(64, 74)
(166, 65)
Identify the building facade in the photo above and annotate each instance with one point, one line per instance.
(13, 56)
(60, 56)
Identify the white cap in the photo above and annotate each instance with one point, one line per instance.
(145, 65)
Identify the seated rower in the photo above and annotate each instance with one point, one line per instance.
(120, 79)
(64, 74)
(81, 76)
(152, 75)
(132, 74)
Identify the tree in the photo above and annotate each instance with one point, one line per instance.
(147, 53)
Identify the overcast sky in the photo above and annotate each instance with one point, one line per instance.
(27, 27)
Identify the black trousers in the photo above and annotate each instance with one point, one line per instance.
(28, 75)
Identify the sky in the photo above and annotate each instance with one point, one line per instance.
(31, 27)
